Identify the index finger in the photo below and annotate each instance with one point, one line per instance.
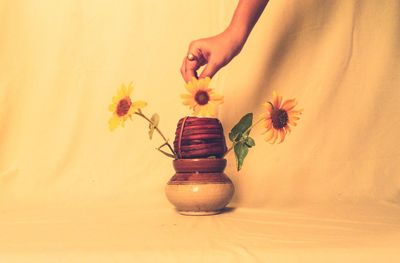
(191, 68)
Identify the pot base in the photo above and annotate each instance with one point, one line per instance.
(199, 213)
(199, 198)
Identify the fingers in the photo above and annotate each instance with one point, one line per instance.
(189, 67)
(211, 68)
(183, 68)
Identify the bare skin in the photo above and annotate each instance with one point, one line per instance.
(217, 51)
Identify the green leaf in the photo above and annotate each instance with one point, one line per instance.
(155, 119)
(250, 142)
(237, 131)
(241, 150)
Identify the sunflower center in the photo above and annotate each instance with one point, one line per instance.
(279, 118)
(202, 97)
(123, 106)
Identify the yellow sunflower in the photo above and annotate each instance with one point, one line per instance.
(201, 99)
(122, 107)
(278, 116)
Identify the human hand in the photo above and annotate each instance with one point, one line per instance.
(213, 52)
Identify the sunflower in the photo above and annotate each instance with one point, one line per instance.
(278, 116)
(122, 106)
(201, 99)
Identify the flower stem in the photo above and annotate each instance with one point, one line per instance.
(247, 131)
(173, 155)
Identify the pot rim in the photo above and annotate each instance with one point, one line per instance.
(205, 165)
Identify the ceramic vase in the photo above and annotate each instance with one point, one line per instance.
(199, 186)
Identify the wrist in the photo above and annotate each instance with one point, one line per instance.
(237, 35)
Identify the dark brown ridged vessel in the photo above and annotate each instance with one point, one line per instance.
(199, 138)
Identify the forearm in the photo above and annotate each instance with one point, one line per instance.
(245, 17)
(217, 51)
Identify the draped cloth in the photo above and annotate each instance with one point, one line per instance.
(72, 191)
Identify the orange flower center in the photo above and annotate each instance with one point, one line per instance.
(123, 106)
(279, 118)
(202, 97)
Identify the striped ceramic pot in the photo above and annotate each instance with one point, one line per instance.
(199, 186)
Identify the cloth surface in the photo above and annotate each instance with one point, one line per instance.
(340, 233)
(70, 190)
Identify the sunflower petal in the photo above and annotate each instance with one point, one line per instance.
(196, 110)
(139, 104)
(212, 109)
(268, 106)
(296, 112)
(186, 96)
(112, 107)
(195, 82)
(187, 102)
(113, 123)
(279, 102)
(120, 94)
(271, 134)
(204, 111)
(274, 95)
(207, 81)
(123, 90)
(131, 111)
(201, 84)
(129, 89)
(289, 104)
(189, 87)
(282, 134)
(268, 129)
(268, 124)
(276, 99)
(115, 99)
(266, 115)
(276, 135)
(291, 122)
(216, 97)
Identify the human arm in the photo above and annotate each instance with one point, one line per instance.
(217, 51)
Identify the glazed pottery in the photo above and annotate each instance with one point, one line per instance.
(199, 138)
(199, 186)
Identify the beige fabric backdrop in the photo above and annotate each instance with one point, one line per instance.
(62, 61)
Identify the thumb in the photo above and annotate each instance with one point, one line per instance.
(211, 68)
